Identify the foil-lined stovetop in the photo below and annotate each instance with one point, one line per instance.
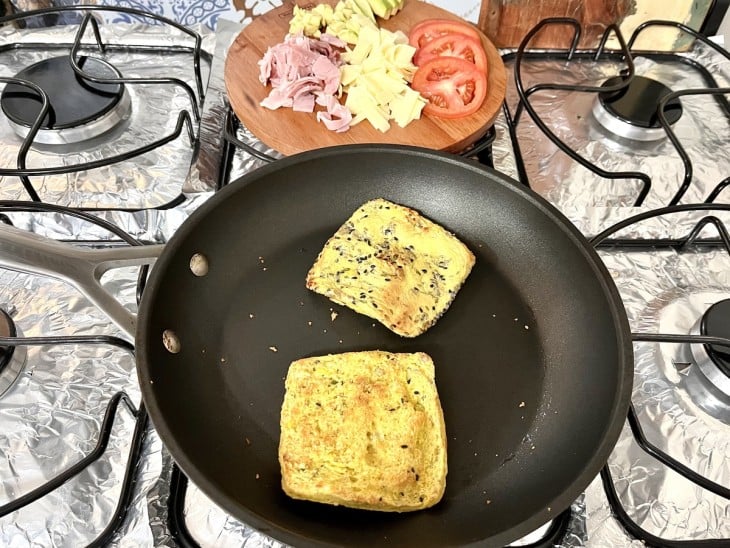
(48, 307)
(703, 131)
(667, 292)
(150, 180)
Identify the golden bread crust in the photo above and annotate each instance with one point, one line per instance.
(392, 264)
(364, 430)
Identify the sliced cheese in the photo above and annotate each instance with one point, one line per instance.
(376, 78)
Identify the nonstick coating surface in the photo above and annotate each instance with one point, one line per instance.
(533, 359)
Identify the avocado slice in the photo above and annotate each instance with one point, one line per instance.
(381, 8)
(363, 7)
(395, 6)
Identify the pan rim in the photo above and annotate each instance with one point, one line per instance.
(583, 477)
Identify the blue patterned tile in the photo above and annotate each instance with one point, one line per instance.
(115, 17)
(189, 12)
(185, 12)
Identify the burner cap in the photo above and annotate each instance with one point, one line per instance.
(716, 323)
(7, 329)
(12, 358)
(631, 112)
(78, 110)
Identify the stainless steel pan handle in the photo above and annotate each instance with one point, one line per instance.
(81, 267)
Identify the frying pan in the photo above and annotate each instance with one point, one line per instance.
(533, 359)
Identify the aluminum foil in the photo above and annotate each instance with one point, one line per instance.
(503, 154)
(151, 180)
(149, 226)
(667, 292)
(702, 130)
(663, 301)
(51, 417)
(242, 162)
(212, 125)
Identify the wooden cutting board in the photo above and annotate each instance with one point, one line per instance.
(291, 132)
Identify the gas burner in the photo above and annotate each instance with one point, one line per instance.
(714, 361)
(79, 109)
(631, 112)
(12, 358)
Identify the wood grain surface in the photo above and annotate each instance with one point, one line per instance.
(291, 132)
(507, 22)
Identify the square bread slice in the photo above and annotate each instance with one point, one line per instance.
(392, 264)
(364, 430)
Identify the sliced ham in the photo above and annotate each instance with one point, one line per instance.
(303, 71)
(303, 103)
(333, 40)
(329, 73)
(337, 117)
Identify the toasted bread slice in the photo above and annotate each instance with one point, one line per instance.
(393, 265)
(364, 430)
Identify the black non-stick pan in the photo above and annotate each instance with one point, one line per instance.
(533, 359)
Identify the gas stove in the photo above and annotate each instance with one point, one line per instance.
(628, 144)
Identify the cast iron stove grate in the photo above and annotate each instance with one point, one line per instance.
(13, 343)
(40, 123)
(628, 119)
(714, 339)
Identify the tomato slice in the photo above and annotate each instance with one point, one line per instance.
(453, 87)
(453, 45)
(427, 30)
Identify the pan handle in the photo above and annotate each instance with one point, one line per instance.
(82, 268)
